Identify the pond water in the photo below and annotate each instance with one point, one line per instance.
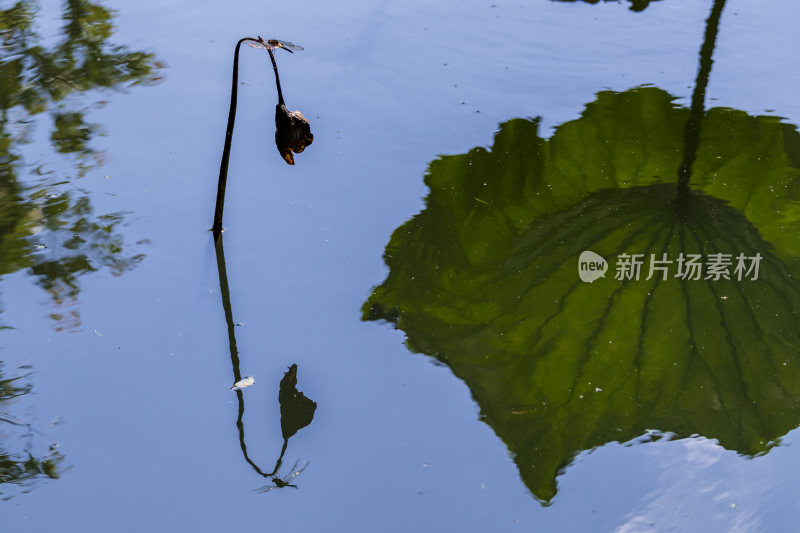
(418, 264)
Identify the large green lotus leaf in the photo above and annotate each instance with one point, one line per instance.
(485, 279)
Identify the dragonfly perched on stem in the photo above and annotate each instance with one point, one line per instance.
(293, 131)
(272, 44)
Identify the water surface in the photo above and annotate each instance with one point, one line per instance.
(117, 346)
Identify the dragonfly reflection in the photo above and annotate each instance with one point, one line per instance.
(271, 44)
(280, 483)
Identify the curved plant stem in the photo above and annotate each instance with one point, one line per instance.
(237, 374)
(691, 134)
(277, 78)
(226, 151)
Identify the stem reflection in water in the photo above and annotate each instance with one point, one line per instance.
(692, 130)
(297, 411)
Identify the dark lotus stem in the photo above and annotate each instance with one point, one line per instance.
(237, 375)
(691, 134)
(277, 78)
(226, 151)
(280, 457)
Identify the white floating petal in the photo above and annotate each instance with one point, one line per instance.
(246, 382)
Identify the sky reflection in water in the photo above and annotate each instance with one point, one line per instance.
(142, 380)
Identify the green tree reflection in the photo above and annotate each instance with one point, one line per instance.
(21, 466)
(46, 227)
(485, 278)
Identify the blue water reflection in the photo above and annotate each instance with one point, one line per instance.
(142, 384)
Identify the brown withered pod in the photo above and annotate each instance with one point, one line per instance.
(292, 132)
